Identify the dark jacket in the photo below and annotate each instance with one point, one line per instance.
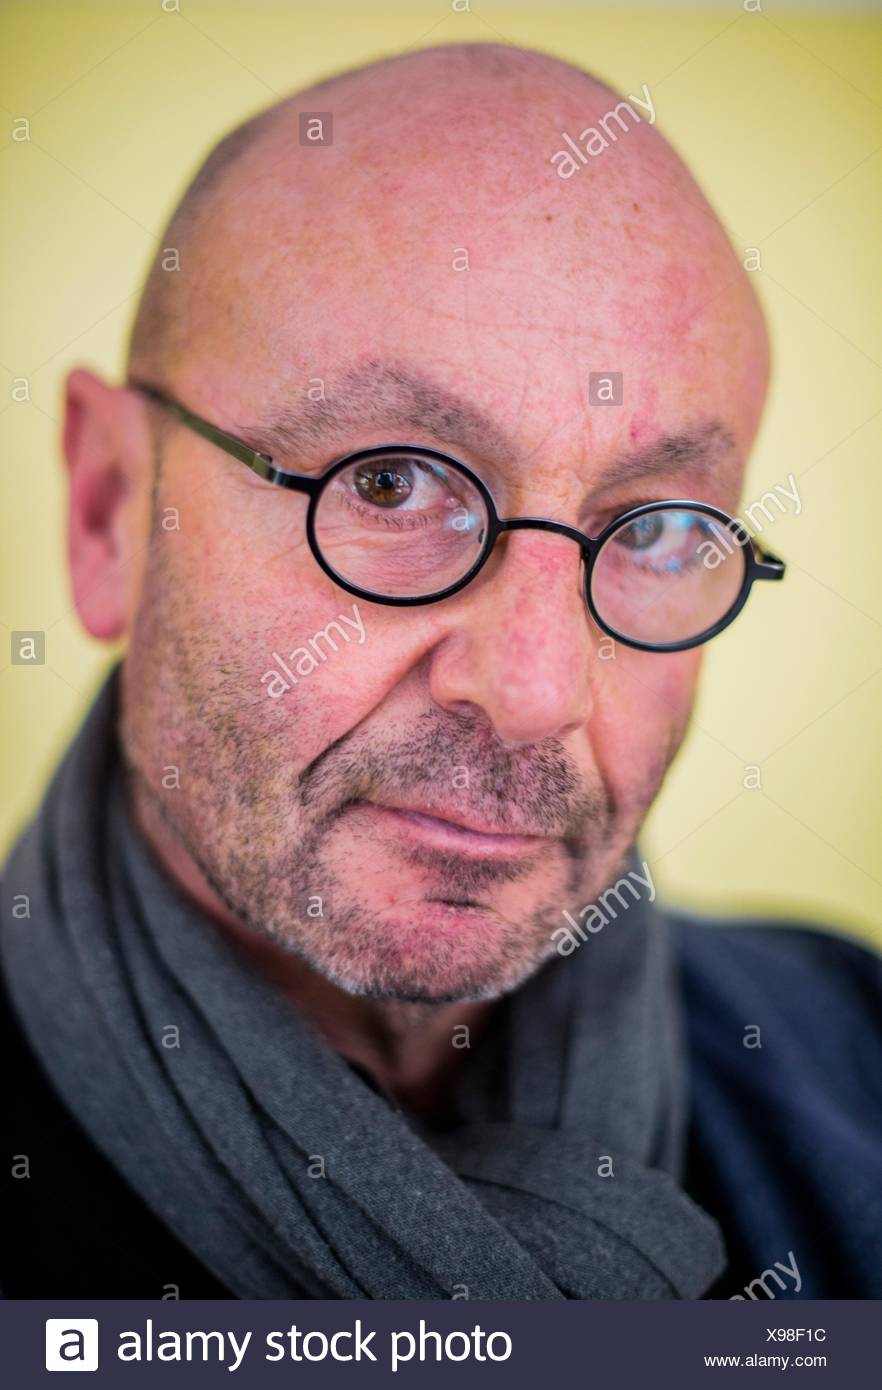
(784, 1028)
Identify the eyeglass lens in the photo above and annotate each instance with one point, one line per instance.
(401, 526)
(667, 576)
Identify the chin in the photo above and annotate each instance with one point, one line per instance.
(455, 955)
(418, 990)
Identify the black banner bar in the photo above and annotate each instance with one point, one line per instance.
(278, 1343)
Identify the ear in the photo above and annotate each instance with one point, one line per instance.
(107, 447)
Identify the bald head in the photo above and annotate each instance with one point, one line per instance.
(441, 162)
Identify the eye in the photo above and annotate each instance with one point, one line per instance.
(643, 532)
(399, 483)
(382, 484)
(667, 541)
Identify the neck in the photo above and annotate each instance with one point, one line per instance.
(412, 1050)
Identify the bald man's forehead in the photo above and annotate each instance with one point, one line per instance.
(407, 204)
(418, 281)
(403, 236)
(434, 230)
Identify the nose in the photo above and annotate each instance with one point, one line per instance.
(519, 646)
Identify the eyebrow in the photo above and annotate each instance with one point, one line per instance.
(382, 395)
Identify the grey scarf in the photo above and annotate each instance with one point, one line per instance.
(287, 1174)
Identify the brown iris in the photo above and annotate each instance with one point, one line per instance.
(385, 487)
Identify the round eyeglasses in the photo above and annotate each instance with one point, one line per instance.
(404, 525)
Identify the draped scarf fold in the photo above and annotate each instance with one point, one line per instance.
(272, 1159)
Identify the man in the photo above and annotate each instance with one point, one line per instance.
(292, 1010)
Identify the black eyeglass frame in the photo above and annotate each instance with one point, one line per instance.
(759, 563)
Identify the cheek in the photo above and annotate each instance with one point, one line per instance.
(297, 655)
(641, 711)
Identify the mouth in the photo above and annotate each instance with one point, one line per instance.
(446, 833)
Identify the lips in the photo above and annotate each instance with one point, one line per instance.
(456, 819)
(445, 829)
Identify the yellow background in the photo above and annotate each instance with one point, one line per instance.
(778, 114)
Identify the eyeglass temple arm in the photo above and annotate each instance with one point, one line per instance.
(259, 463)
(768, 566)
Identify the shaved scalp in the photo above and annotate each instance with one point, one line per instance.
(159, 333)
(150, 347)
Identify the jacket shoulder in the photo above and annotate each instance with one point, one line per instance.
(818, 988)
(784, 1032)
